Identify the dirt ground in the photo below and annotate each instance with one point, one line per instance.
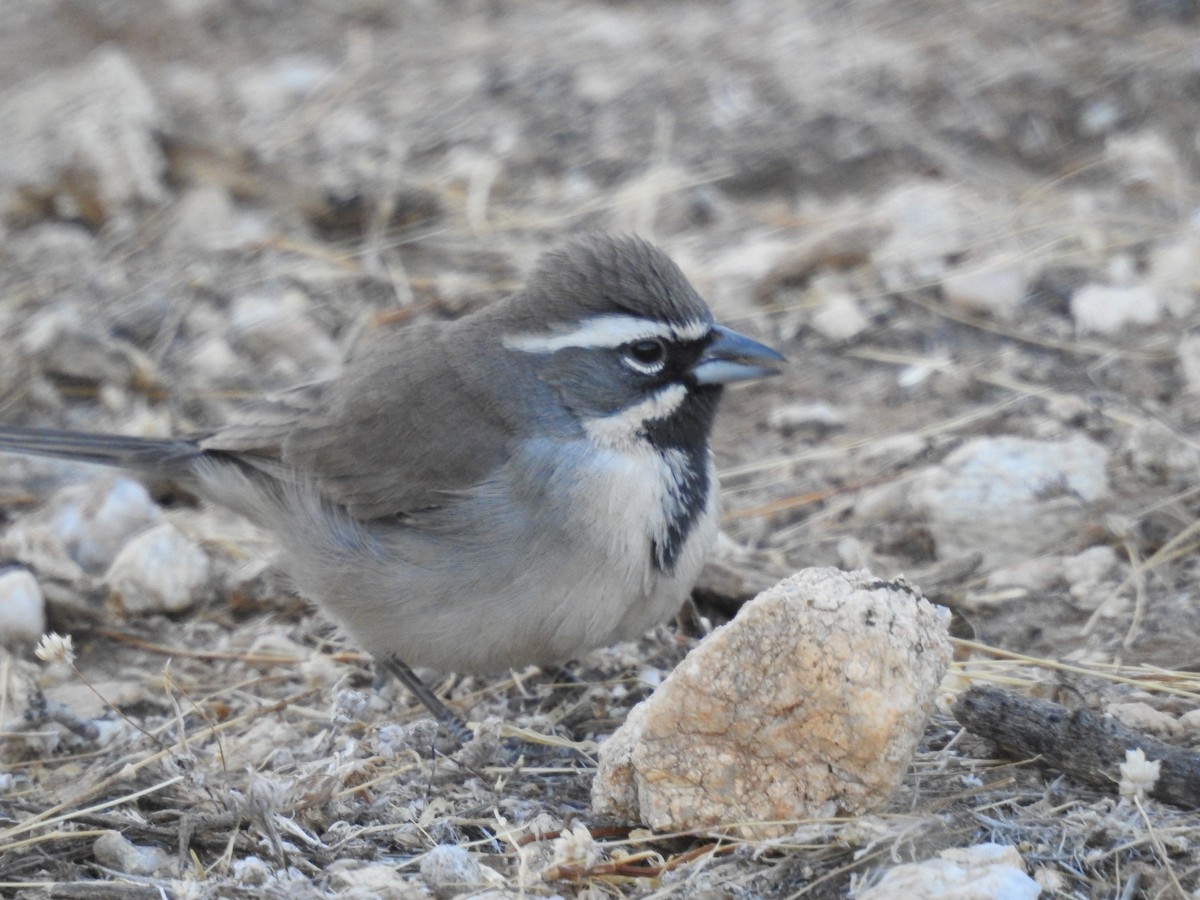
(974, 229)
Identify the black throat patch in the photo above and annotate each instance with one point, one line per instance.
(682, 441)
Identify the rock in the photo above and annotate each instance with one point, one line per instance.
(81, 144)
(1175, 272)
(1088, 572)
(926, 223)
(818, 417)
(117, 852)
(1008, 497)
(1111, 309)
(1157, 452)
(993, 287)
(1145, 163)
(982, 872)
(809, 703)
(160, 570)
(22, 608)
(1189, 361)
(82, 527)
(451, 871)
(1144, 718)
(1033, 575)
(276, 330)
(839, 318)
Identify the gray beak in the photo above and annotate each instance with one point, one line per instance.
(734, 357)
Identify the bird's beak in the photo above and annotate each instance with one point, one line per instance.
(734, 357)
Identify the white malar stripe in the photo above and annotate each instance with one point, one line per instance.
(606, 331)
(623, 430)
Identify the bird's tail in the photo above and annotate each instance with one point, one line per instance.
(163, 456)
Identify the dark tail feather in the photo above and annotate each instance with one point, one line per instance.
(165, 456)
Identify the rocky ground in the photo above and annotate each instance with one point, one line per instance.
(974, 229)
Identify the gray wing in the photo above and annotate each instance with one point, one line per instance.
(381, 439)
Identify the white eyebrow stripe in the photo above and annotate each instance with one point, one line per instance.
(606, 332)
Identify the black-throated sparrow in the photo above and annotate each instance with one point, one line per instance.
(519, 485)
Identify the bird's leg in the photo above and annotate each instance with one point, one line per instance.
(453, 723)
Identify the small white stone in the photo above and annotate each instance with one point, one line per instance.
(82, 527)
(1008, 498)
(113, 850)
(840, 318)
(994, 287)
(981, 872)
(161, 570)
(1087, 572)
(1145, 718)
(1159, 452)
(451, 871)
(22, 608)
(1111, 309)
(819, 416)
(1189, 361)
(83, 138)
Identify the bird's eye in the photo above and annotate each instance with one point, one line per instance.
(646, 356)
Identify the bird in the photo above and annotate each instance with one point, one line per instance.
(515, 486)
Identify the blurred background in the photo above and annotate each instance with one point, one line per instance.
(974, 227)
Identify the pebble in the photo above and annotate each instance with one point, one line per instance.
(1158, 452)
(820, 417)
(981, 872)
(1189, 361)
(160, 570)
(1008, 497)
(1112, 309)
(22, 608)
(113, 850)
(451, 871)
(83, 142)
(82, 526)
(840, 318)
(992, 287)
(810, 703)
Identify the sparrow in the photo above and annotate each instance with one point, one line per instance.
(516, 486)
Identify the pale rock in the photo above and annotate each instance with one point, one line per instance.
(1112, 309)
(1190, 721)
(818, 416)
(926, 223)
(995, 287)
(1144, 718)
(206, 220)
(809, 704)
(160, 570)
(981, 872)
(451, 871)
(839, 318)
(277, 329)
(1036, 575)
(22, 608)
(1088, 572)
(82, 142)
(114, 851)
(1189, 361)
(1175, 272)
(1145, 163)
(894, 451)
(82, 527)
(1008, 498)
(354, 879)
(1157, 451)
